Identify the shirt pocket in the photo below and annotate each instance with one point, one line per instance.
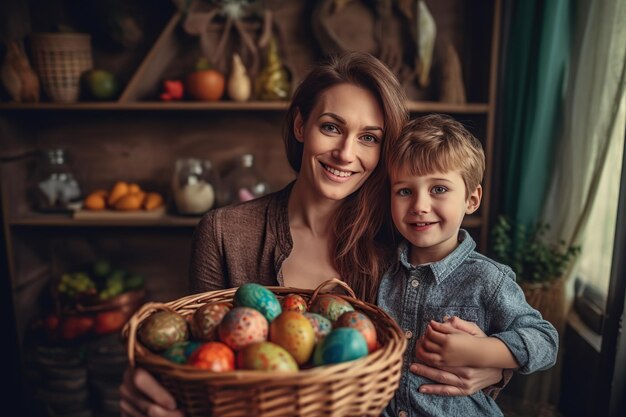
(440, 313)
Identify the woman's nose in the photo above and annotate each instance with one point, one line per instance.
(345, 150)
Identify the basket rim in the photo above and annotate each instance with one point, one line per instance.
(144, 357)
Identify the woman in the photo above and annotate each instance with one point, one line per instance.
(327, 223)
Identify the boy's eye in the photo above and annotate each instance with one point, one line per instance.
(404, 192)
(329, 128)
(439, 189)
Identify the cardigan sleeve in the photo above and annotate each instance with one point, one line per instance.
(206, 267)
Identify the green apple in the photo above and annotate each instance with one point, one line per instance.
(101, 84)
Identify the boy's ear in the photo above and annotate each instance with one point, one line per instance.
(298, 126)
(473, 201)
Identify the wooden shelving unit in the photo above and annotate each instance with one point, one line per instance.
(138, 138)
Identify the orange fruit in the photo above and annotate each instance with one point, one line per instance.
(119, 190)
(95, 201)
(129, 202)
(153, 201)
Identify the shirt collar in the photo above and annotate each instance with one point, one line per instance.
(443, 268)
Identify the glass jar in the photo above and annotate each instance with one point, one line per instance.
(244, 182)
(56, 188)
(194, 184)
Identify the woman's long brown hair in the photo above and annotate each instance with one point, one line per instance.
(360, 247)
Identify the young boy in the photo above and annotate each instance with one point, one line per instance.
(435, 169)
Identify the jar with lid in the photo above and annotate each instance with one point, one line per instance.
(194, 184)
(244, 182)
(56, 188)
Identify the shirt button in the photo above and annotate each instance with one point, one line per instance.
(408, 334)
(403, 414)
(415, 283)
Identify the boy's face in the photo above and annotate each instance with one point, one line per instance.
(428, 211)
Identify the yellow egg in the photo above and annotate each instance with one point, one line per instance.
(266, 356)
(294, 332)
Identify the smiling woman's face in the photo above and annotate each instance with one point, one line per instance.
(342, 141)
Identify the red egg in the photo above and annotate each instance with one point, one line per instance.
(213, 356)
(242, 326)
(294, 302)
(362, 323)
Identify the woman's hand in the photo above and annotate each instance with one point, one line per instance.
(142, 396)
(458, 380)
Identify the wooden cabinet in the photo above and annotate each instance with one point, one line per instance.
(138, 138)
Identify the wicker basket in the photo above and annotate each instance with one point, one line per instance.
(358, 388)
(60, 60)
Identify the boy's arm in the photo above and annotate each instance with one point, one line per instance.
(442, 345)
(532, 340)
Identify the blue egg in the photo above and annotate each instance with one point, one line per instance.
(180, 352)
(341, 345)
(259, 298)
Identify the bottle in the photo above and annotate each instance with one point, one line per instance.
(244, 182)
(194, 184)
(56, 188)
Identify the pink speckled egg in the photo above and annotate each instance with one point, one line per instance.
(294, 302)
(321, 325)
(362, 323)
(266, 356)
(330, 306)
(242, 326)
(295, 334)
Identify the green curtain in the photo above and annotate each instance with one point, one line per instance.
(535, 70)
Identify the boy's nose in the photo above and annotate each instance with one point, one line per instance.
(345, 151)
(420, 205)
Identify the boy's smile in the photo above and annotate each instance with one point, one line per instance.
(428, 211)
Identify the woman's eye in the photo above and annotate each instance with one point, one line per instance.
(329, 128)
(439, 189)
(369, 139)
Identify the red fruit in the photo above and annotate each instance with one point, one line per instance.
(75, 326)
(173, 90)
(109, 321)
(205, 85)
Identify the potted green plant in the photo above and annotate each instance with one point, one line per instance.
(538, 264)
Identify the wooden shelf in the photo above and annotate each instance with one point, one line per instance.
(168, 220)
(65, 220)
(413, 106)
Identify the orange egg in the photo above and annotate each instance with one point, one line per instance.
(213, 356)
(242, 326)
(330, 306)
(362, 323)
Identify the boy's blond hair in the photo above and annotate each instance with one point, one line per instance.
(438, 143)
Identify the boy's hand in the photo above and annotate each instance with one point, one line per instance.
(443, 345)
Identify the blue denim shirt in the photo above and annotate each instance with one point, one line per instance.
(475, 288)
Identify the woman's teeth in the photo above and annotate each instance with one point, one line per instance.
(337, 172)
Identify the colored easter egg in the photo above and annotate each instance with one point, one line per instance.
(295, 334)
(180, 352)
(341, 345)
(213, 356)
(162, 330)
(242, 326)
(321, 325)
(258, 297)
(266, 356)
(293, 302)
(330, 306)
(206, 319)
(362, 323)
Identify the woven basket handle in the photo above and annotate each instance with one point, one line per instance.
(131, 327)
(334, 282)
